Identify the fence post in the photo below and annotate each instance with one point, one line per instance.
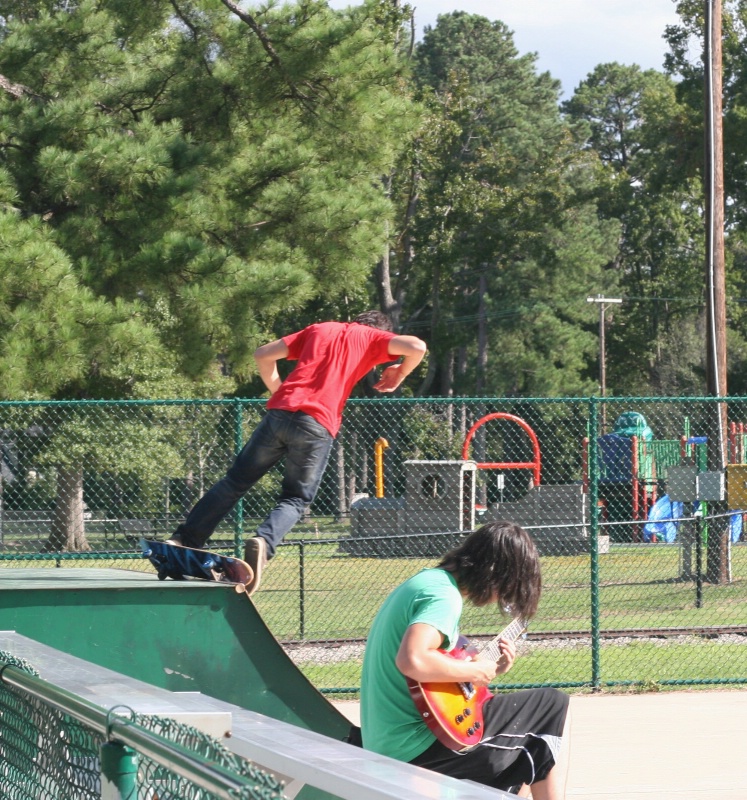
(594, 541)
(302, 589)
(118, 772)
(238, 443)
(701, 527)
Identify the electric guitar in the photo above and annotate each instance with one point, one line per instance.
(453, 711)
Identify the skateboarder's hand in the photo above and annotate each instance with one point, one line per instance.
(390, 379)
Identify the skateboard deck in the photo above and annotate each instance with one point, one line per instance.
(178, 563)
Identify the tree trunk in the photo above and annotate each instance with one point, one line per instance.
(447, 389)
(351, 482)
(482, 336)
(68, 532)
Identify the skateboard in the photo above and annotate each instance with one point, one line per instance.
(178, 563)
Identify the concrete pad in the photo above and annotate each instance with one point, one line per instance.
(688, 745)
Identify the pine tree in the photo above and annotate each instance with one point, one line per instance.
(185, 175)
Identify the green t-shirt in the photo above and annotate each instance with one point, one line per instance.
(390, 722)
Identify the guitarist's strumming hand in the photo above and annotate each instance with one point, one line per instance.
(484, 671)
(493, 668)
(421, 659)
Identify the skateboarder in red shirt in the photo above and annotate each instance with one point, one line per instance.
(304, 414)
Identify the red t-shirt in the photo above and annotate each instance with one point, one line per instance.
(332, 357)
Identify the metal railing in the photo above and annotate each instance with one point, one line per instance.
(118, 756)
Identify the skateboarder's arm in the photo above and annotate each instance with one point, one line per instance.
(267, 357)
(412, 351)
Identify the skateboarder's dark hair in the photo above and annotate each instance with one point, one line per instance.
(374, 319)
(498, 562)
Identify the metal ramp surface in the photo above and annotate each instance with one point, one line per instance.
(183, 636)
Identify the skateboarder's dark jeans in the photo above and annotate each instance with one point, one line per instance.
(293, 435)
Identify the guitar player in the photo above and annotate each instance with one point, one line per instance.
(521, 732)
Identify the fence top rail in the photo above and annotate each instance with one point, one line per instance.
(217, 401)
(512, 401)
(292, 753)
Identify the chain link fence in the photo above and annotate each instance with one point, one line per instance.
(47, 753)
(637, 506)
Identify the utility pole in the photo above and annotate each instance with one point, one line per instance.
(603, 302)
(718, 544)
(714, 195)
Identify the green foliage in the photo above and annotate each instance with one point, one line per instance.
(169, 179)
(499, 239)
(632, 120)
(426, 435)
(175, 178)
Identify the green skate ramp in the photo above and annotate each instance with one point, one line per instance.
(184, 636)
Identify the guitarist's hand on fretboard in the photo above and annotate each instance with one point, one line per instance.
(507, 657)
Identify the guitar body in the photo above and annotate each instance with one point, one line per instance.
(452, 711)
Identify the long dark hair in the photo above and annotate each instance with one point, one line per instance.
(498, 561)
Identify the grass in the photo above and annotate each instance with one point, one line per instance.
(638, 588)
(313, 592)
(643, 663)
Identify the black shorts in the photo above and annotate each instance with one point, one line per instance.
(522, 737)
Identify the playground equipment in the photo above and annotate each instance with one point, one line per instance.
(439, 499)
(379, 447)
(535, 464)
(633, 468)
(557, 516)
(439, 505)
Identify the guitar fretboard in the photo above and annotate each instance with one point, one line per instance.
(492, 651)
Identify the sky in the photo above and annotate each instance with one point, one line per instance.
(570, 37)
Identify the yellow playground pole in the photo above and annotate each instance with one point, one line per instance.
(379, 447)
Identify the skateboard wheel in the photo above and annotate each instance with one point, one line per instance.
(162, 576)
(208, 563)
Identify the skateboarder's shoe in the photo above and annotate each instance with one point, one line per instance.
(183, 540)
(255, 555)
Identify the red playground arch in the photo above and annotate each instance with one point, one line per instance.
(534, 465)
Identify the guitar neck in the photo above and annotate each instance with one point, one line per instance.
(492, 651)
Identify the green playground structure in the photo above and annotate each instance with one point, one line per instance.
(633, 467)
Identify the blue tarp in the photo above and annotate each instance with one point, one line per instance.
(735, 527)
(662, 525)
(660, 520)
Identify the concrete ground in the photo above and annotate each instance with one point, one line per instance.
(688, 745)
